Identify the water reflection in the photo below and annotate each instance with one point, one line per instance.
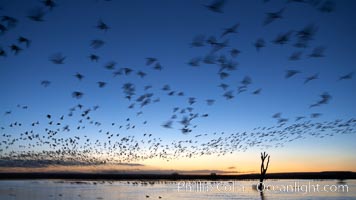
(94, 190)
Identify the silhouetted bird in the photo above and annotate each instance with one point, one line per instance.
(327, 6)
(223, 75)
(94, 57)
(102, 26)
(77, 94)
(272, 16)
(291, 73)
(295, 56)
(3, 29)
(45, 83)
(211, 40)
(315, 115)
(325, 98)
(158, 66)
(318, 52)
(49, 4)
(36, 14)
(209, 59)
(223, 86)
(167, 124)
(277, 115)
(97, 43)
(346, 76)
(305, 35)
(228, 95)
(299, 118)
(246, 80)
(258, 91)
(9, 22)
(216, 6)
(150, 60)
(310, 78)
(24, 40)
(16, 49)
(210, 101)
(57, 58)
(79, 76)
(141, 74)
(231, 29)
(101, 84)
(259, 44)
(2, 53)
(234, 52)
(282, 38)
(198, 41)
(110, 65)
(194, 62)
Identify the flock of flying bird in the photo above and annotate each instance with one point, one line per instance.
(50, 140)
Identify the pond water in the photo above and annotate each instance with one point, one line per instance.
(204, 190)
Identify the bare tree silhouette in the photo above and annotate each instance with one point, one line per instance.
(263, 169)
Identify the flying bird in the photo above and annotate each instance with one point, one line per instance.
(16, 49)
(216, 6)
(198, 41)
(327, 6)
(228, 95)
(10, 22)
(310, 78)
(234, 52)
(3, 29)
(94, 57)
(101, 84)
(194, 62)
(24, 40)
(260, 43)
(79, 76)
(315, 115)
(167, 124)
(256, 92)
(110, 65)
(230, 30)
(102, 26)
(272, 16)
(150, 60)
(49, 4)
(37, 15)
(57, 58)
(325, 98)
(141, 74)
(246, 80)
(45, 83)
(223, 86)
(277, 115)
(158, 66)
(295, 56)
(282, 38)
(346, 76)
(210, 102)
(77, 94)
(97, 43)
(318, 52)
(291, 73)
(2, 53)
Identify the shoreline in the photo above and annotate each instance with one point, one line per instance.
(105, 176)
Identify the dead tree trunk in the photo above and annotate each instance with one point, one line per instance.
(263, 169)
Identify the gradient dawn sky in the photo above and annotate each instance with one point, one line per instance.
(287, 66)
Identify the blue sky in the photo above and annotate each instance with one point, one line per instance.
(164, 30)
